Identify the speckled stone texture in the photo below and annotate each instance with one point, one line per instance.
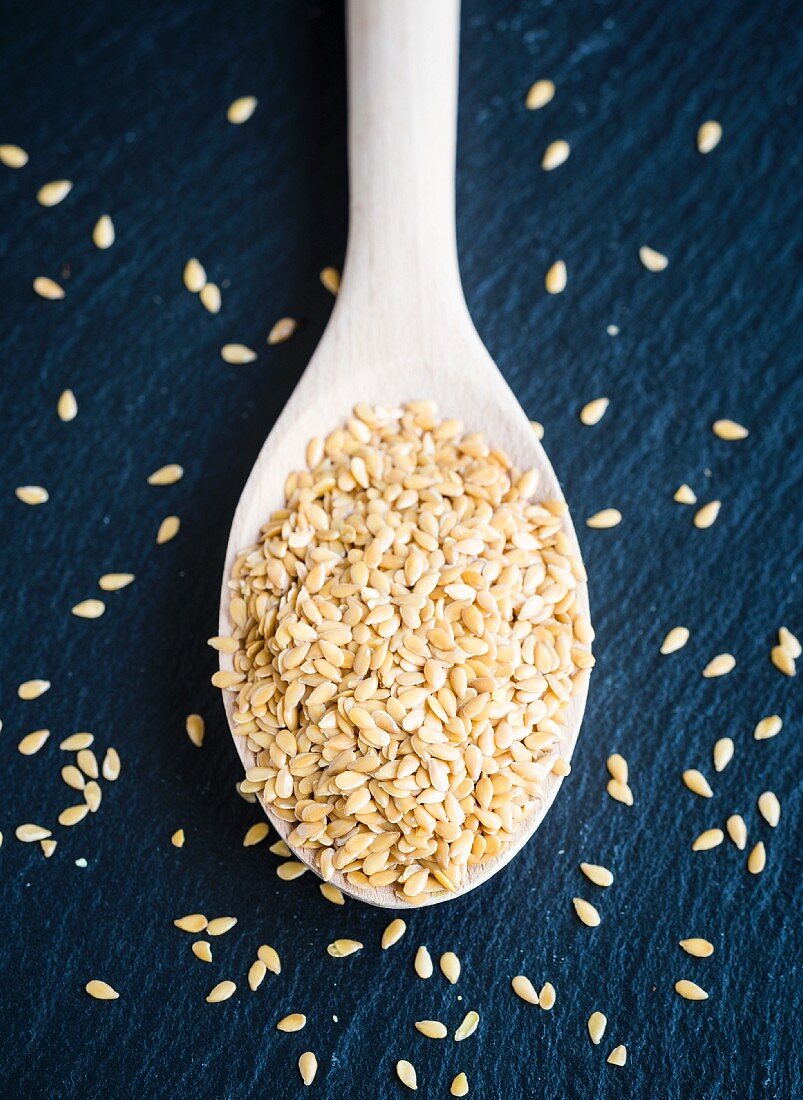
(129, 102)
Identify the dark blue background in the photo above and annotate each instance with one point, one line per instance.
(129, 101)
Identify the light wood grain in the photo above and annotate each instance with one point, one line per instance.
(400, 328)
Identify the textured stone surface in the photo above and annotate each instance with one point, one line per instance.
(130, 104)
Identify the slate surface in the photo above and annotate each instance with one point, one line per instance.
(128, 101)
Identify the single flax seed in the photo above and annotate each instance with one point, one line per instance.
(675, 640)
(597, 1022)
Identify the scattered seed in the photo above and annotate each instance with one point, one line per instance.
(210, 297)
(711, 838)
(32, 689)
(459, 1086)
(67, 406)
(194, 276)
(330, 279)
(196, 729)
(101, 991)
(608, 517)
(168, 529)
(723, 753)
(770, 808)
(757, 860)
(307, 1067)
(690, 991)
(450, 966)
(700, 948)
(768, 727)
(220, 925)
(737, 831)
(433, 1029)
(539, 95)
(48, 846)
(237, 353)
(782, 660)
(594, 411)
(166, 475)
(270, 958)
(177, 839)
(195, 922)
(332, 893)
(73, 814)
(48, 288)
(256, 975)
(93, 796)
(697, 783)
(720, 665)
(13, 156)
(587, 913)
(524, 988)
(618, 1056)
(393, 933)
(202, 950)
(706, 516)
(600, 876)
(729, 429)
(555, 154)
(28, 834)
(51, 194)
(73, 777)
(685, 495)
(467, 1027)
(597, 1022)
(546, 996)
(282, 330)
(76, 742)
(423, 963)
(279, 848)
(256, 833)
(620, 792)
(103, 233)
(617, 767)
(294, 1022)
(33, 742)
(405, 1071)
(32, 494)
(675, 639)
(341, 949)
(538, 429)
(290, 871)
(709, 136)
(89, 609)
(652, 260)
(87, 762)
(788, 641)
(221, 992)
(240, 110)
(555, 278)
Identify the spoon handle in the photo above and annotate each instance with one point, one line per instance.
(402, 75)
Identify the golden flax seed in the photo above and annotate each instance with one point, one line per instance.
(51, 194)
(546, 996)
(33, 742)
(341, 949)
(555, 278)
(555, 154)
(450, 966)
(30, 833)
(220, 925)
(194, 276)
(405, 1071)
(597, 1022)
(32, 689)
(221, 992)
(539, 94)
(88, 763)
(618, 1056)
(269, 956)
(768, 727)
(291, 870)
(256, 974)
(168, 529)
(294, 1022)
(729, 430)
(652, 260)
(675, 639)
(255, 834)
(103, 232)
(332, 893)
(210, 297)
(89, 609)
(202, 950)
(48, 288)
(13, 156)
(166, 475)
(113, 582)
(237, 353)
(32, 494)
(196, 729)
(600, 876)
(308, 1067)
(73, 814)
(757, 860)
(708, 839)
(722, 753)
(73, 777)
(697, 783)
(594, 411)
(101, 991)
(788, 641)
(684, 494)
(608, 517)
(177, 839)
(282, 330)
(706, 516)
(67, 406)
(620, 792)
(195, 922)
(737, 831)
(467, 1027)
(783, 660)
(48, 846)
(524, 988)
(330, 279)
(433, 1029)
(769, 807)
(709, 136)
(700, 948)
(587, 913)
(240, 110)
(720, 665)
(423, 963)
(459, 1086)
(393, 933)
(76, 742)
(93, 796)
(690, 991)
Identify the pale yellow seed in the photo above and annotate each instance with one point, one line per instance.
(600, 876)
(524, 988)
(768, 727)
(617, 767)
(709, 136)
(675, 639)
(782, 660)
(73, 777)
(757, 860)
(555, 154)
(332, 893)
(87, 762)
(32, 689)
(13, 156)
(594, 411)
(73, 814)
(433, 1029)
(194, 276)
(788, 641)
(618, 1056)
(450, 966)
(256, 974)
(166, 475)
(467, 1027)
(30, 833)
(177, 839)
(282, 330)
(202, 950)
(539, 94)
(196, 729)
(168, 529)
(341, 949)
(194, 922)
(101, 991)
(32, 494)
(555, 278)
(221, 992)
(308, 1067)
(706, 516)
(51, 194)
(652, 260)
(720, 665)
(700, 948)
(269, 956)
(113, 582)
(76, 742)
(546, 996)
(538, 429)
(723, 753)
(697, 783)
(279, 848)
(587, 913)
(92, 796)
(330, 279)
(685, 495)
(67, 406)
(89, 609)
(256, 834)
(393, 933)
(737, 831)
(291, 870)
(405, 1071)
(103, 233)
(220, 925)
(690, 991)
(210, 297)
(769, 807)
(620, 792)
(423, 963)
(597, 1022)
(459, 1086)
(294, 1022)
(33, 742)
(48, 288)
(223, 644)
(237, 353)
(608, 517)
(708, 839)
(729, 429)
(48, 846)
(240, 110)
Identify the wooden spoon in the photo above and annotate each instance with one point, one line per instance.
(400, 328)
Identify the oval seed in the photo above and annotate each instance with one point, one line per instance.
(709, 136)
(194, 276)
(270, 958)
(723, 753)
(450, 966)
(707, 840)
(393, 933)
(597, 1022)
(704, 517)
(101, 991)
(294, 1022)
(256, 974)
(617, 767)
(685, 495)
(675, 639)
(770, 808)
(177, 839)
(48, 846)
(620, 792)
(33, 742)
(341, 949)
(237, 353)
(330, 279)
(423, 963)
(30, 833)
(92, 796)
(195, 922)
(73, 777)
(220, 925)
(48, 288)
(290, 871)
(87, 762)
(73, 814)
(210, 297)
(202, 950)
(168, 529)
(555, 278)
(539, 95)
(240, 110)
(459, 1086)
(618, 1056)
(221, 992)
(51, 194)
(113, 582)
(67, 406)
(32, 494)
(467, 1027)
(332, 893)
(700, 948)
(690, 991)
(737, 831)
(587, 913)
(282, 330)
(32, 689)
(89, 609)
(103, 233)
(729, 429)
(546, 996)
(608, 517)
(652, 260)
(256, 834)
(555, 154)
(697, 783)
(433, 1029)
(13, 156)
(720, 665)
(600, 876)
(307, 1067)
(594, 411)
(76, 742)
(405, 1071)
(196, 729)
(524, 988)
(757, 860)
(166, 475)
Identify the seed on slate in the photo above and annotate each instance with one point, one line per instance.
(30, 833)
(704, 517)
(652, 260)
(282, 330)
(202, 950)
(196, 729)
(685, 495)
(729, 429)
(546, 996)
(467, 1027)
(73, 777)
(617, 767)
(770, 808)
(594, 411)
(168, 529)
(32, 689)
(270, 958)
(555, 154)
(757, 859)
(788, 641)
(103, 233)
(433, 1029)
(587, 913)
(87, 762)
(93, 796)
(330, 279)
(538, 429)
(307, 1067)
(294, 1022)
(393, 933)
(101, 991)
(539, 95)
(675, 639)
(708, 136)
(32, 494)
(256, 974)
(459, 1086)
(620, 792)
(113, 582)
(67, 406)
(177, 839)
(341, 949)
(220, 925)
(195, 922)
(450, 966)
(608, 517)
(33, 742)
(77, 741)
(723, 753)
(600, 876)
(720, 665)
(51, 194)
(597, 1022)
(240, 110)
(332, 893)
(690, 991)
(73, 814)
(210, 297)
(700, 948)
(194, 276)
(48, 288)
(48, 846)
(707, 840)
(89, 609)
(237, 353)
(555, 278)
(278, 848)
(618, 1056)
(13, 156)
(768, 727)
(405, 1071)
(524, 988)
(423, 963)
(290, 871)
(256, 833)
(697, 783)
(737, 831)
(221, 992)
(166, 475)
(782, 660)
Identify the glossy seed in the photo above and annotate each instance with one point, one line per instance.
(77, 741)
(723, 753)
(620, 792)
(709, 136)
(770, 808)
(89, 609)
(524, 988)
(555, 154)
(114, 582)
(459, 1086)
(600, 876)
(783, 660)
(30, 833)
(423, 963)
(210, 297)
(202, 950)
(73, 814)
(168, 529)
(341, 949)
(48, 846)
(405, 1071)
(652, 260)
(73, 777)
(555, 278)
(467, 1027)
(270, 958)
(194, 276)
(33, 742)
(729, 429)
(13, 156)
(720, 665)
(330, 279)
(675, 640)
(700, 948)
(706, 516)
(546, 996)
(87, 762)
(450, 966)
(196, 729)
(618, 1056)
(237, 353)
(332, 893)
(685, 495)
(255, 834)
(220, 925)
(788, 641)
(93, 796)
(768, 727)
(194, 922)
(711, 838)
(587, 913)
(608, 517)
(597, 1022)
(307, 1067)
(101, 991)
(539, 94)
(32, 689)
(32, 494)
(67, 406)
(256, 974)
(697, 783)
(221, 992)
(103, 233)
(757, 860)
(177, 839)
(737, 831)
(278, 848)
(294, 1022)
(240, 110)
(48, 288)
(617, 767)
(690, 991)
(166, 475)
(51, 194)
(282, 330)
(433, 1029)
(290, 871)
(393, 933)
(594, 411)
